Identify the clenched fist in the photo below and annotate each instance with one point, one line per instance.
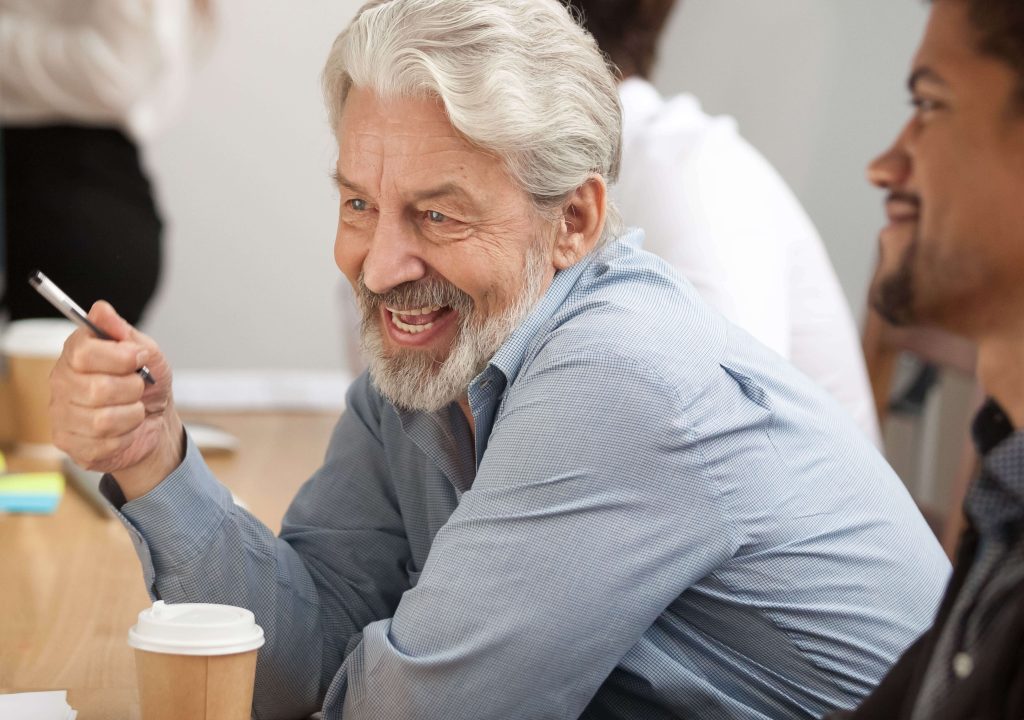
(105, 416)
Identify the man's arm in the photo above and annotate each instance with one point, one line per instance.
(575, 536)
(339, 564)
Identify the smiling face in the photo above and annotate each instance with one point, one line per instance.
(446, 254)
(953, 251)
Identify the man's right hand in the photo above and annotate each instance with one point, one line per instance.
(105, 416)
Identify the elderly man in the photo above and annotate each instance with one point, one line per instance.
(953, 256)
(565, 487)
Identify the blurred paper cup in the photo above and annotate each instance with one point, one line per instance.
(31, 348)
(195, 660)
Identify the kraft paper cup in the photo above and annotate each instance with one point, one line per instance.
(32, 348)
(195, 660)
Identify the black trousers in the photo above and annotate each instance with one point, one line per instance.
(79, 207)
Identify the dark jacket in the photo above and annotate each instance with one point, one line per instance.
(995, 688)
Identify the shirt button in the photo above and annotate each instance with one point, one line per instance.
(963, 665)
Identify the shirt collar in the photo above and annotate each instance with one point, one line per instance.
(487, 388)
(641, 96)
(991, 426)
(995, 502)
(510, 356)
(640, 102)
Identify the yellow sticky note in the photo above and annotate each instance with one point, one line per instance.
(38, 483)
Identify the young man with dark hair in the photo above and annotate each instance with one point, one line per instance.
(716, 210)
(952, 256)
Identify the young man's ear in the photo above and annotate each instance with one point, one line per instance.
(582, 222)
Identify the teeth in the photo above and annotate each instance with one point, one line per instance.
(397, 314)
(413, 329)
(415, 311)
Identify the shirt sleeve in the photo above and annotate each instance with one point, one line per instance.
(339, 563)
(95, 69)
(575, 536)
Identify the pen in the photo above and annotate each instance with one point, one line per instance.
(70, 309)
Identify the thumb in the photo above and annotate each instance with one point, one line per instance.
(105, 317)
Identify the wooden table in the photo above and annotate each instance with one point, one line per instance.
(70, 583)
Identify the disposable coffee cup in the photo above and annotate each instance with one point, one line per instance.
(195, 660)
(31, 348)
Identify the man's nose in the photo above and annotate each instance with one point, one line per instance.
(393, 257)
(891, 168)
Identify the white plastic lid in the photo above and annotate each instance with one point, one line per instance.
(195, 629)
(42, 337)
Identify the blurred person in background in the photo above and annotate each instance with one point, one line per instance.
(714, 208)
(952, 256)
(84, 84)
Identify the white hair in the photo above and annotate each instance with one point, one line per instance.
(517, 78)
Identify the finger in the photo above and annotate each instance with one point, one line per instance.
(113, 421)
(104, 316)
(75, 339)
(91, 355)
(89, 452)
(99, 423)
(99, 390)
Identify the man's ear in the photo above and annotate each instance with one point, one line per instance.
(581, 222)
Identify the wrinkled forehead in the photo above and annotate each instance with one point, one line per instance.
(409, 141)
(367, 114)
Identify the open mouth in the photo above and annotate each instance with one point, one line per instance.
(902, 208)
(417, 320)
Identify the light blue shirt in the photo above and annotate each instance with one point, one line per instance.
(658, 518)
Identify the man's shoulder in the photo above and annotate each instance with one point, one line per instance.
(631, 307)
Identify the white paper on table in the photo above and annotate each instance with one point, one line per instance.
(50, 705)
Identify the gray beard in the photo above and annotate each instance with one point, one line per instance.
(411, 379)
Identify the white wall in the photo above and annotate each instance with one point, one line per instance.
(250, 277)
(817, 85)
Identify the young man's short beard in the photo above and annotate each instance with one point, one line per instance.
(893, 296)
(412, 379)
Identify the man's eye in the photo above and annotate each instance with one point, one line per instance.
(924, 105)
(357, 204)
(435, 217)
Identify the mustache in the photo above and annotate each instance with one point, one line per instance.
(903, 197)
(421, 293)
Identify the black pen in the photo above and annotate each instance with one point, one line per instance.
(69, 309)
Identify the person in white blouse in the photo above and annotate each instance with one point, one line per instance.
(83, 84)
(715, 209)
